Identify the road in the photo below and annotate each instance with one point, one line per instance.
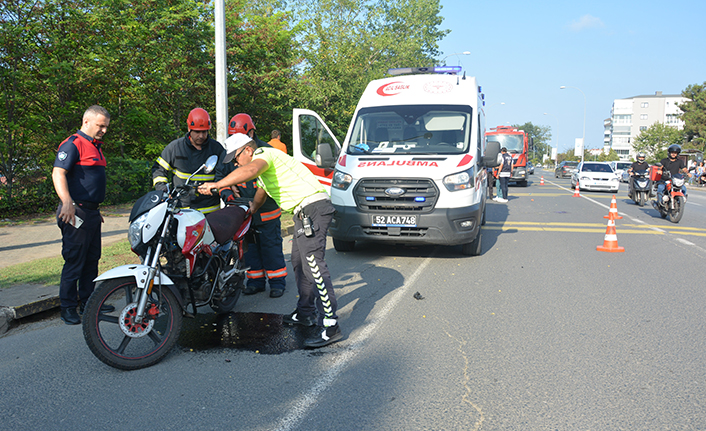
(539, 332)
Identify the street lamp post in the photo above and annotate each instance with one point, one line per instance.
(583, 138)
(557, 133)
(455, 53)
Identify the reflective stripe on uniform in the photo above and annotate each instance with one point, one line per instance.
(277, 273)
(256, 274)
(163, 163)
(271, 215)
(158, 180)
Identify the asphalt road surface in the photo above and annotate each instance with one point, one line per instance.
(540, 332)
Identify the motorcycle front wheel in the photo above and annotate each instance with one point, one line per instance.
(642, 198)
(116, 339)
(677, 212)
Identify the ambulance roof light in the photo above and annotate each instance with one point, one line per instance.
(442, 70)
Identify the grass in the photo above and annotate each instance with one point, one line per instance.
(47, 271)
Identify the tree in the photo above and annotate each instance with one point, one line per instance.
(656, 139)
(540, 136)
(695, 114)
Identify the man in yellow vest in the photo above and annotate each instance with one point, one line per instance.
(295, 189)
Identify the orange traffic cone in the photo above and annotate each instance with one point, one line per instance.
(610, 243)
(541, 181)
(613, 212)
(576, 192)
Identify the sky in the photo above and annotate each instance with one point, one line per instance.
(523, 52)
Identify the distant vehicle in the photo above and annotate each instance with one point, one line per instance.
(530, 168)
(565, 169)
(517, 143)
(539, 165)
(619, 167)
(595, 176)
(625, 177)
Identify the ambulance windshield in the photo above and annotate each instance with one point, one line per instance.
(412, 129)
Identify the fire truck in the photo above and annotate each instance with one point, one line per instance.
(517, 143)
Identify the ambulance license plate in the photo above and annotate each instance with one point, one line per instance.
(395, 220)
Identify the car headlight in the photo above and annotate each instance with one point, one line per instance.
(522, 172)
(614, 179)
(341, 180)
(134, 232)
(459, 181)
(585, 179)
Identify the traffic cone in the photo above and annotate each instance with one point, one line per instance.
(541, 181)
(576, 192)
(613, 212)
(610, 243)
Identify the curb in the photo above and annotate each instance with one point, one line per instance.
(41, 300)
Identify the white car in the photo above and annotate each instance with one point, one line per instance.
(595, 176)
(619, 167)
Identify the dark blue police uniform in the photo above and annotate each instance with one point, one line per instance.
(83, 160)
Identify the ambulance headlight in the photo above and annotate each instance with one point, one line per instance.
(341, 180)
(460, 181)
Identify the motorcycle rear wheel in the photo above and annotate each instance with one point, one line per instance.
(116, 339)
(676, 214)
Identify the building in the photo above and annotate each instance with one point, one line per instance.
(631, 116)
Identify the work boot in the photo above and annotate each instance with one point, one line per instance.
(296, 319)
(324, 336)
(70, 316)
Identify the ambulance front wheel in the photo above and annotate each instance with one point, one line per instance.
(341, 245)
(473, 248)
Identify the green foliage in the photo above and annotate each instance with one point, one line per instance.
(541, 137)
(128, 179)
(695, 114)
(656, 139)
(611, 156)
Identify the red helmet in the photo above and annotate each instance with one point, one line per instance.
(240, 123)
(198, 120)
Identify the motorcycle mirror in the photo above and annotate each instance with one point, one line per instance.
(210, 164)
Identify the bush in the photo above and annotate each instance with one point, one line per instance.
(128, 179)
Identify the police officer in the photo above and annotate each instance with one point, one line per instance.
(295, 189)
(264, 257)
(79, 180)
(185, 155)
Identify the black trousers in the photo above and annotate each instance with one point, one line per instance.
(81, 250)
(310, 269)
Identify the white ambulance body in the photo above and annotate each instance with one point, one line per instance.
(411, 169)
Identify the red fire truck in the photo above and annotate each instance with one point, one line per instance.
(517, 143)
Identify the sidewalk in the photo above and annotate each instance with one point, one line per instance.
(42, 239)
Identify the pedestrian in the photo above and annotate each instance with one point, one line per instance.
(183, 156)
(80, 181)
(275, 141)
(295, 189)
(491, 182)
(264, 257)
(504, 173)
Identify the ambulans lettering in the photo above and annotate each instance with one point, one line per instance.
(420, 163)
(392, 88)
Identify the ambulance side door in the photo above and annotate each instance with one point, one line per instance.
(309, 132)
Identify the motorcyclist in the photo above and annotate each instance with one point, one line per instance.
(674, 165)
(638, 165)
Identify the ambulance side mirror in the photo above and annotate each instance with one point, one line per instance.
(325, 157)
(490, 158)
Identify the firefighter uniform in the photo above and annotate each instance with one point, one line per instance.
(264, 257)
(181, 158)
(82, 158)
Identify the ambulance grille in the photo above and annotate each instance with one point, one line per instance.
(420, 195)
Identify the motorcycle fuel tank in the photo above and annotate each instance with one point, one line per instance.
(192, 225)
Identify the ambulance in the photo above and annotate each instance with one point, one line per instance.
(412, 167)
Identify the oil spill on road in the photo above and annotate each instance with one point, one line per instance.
(257, 332)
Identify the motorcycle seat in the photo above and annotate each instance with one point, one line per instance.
(227, 222)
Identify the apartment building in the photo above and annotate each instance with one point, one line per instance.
(631, 116)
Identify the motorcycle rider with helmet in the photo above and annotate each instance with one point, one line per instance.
(185, 155)
(674, 165)
(638, 165)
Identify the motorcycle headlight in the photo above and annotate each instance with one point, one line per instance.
(341, 180)
(460, 181)
(134, 232)
(641, 183)
(678, 182)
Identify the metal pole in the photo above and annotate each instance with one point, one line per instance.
(221, 85)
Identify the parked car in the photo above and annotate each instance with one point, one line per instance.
(530, 168)
(565, 169)
(619, 167)
(595, 176)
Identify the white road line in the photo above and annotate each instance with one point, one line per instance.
(310, 398)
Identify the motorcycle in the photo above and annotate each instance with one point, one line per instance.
(673, 200)
(186, 259)
(641, 187)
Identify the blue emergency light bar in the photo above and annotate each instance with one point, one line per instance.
(447, 70)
